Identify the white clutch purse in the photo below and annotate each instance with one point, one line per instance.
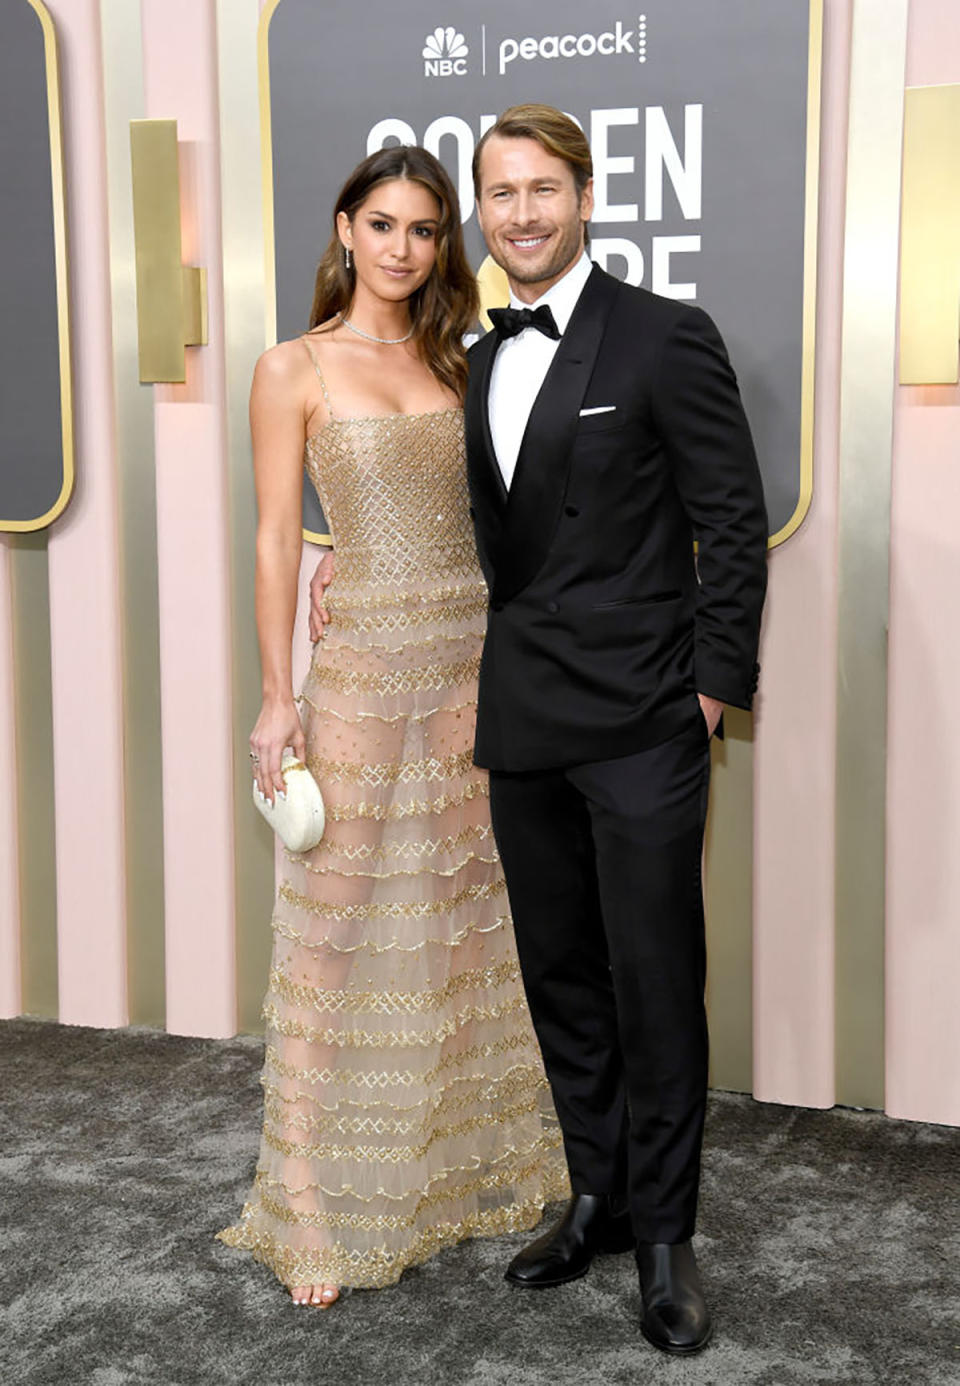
(298, 818)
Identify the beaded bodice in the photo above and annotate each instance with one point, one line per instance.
(394, 493)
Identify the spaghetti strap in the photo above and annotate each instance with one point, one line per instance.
(323, 384)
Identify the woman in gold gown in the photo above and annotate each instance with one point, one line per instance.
(405, 1105)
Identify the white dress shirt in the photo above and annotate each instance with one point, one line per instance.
(521, 364)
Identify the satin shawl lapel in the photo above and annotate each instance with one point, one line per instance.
(488, 495)
(540, 479)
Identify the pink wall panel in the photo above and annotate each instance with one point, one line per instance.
(83, 567)
(180, 81)
(796, 719)
(195, 698)
(923, 799)
(923, 814)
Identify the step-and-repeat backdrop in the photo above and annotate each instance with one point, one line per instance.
(702, 118)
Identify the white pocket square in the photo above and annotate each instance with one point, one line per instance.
(598, 409)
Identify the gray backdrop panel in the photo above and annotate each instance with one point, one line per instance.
(31, 443)
(337, 70)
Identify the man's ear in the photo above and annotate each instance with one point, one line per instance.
(586, 201)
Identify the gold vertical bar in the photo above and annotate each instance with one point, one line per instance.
(867, 373)
(158, 256)
(930, 238)
(143, 817)
(245, 307)
(729, 905)
(33, 703)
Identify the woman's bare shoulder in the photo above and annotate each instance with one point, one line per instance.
(284, 363)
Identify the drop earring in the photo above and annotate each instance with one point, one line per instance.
(347, 257)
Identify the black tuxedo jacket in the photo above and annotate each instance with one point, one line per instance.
(603, 625)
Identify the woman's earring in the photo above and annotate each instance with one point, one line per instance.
(347, 257)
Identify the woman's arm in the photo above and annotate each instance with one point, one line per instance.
(277, 429)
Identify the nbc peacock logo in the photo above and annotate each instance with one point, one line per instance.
(445, 53)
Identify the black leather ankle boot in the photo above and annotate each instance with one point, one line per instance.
(675, 1314)
(591, 1224)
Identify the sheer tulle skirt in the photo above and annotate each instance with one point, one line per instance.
(405, 1104)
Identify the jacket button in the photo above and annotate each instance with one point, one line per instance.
(552, 608)
(496, 606)
(572, 511)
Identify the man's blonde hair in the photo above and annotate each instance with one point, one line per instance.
(554, 131)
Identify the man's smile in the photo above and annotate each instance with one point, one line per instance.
(528, 242)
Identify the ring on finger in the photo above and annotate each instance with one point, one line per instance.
(255, 758)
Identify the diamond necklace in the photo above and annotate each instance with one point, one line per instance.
(368, 336)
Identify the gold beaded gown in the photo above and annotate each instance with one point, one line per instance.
(405, 1103)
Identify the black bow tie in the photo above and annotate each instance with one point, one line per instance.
(508, 322)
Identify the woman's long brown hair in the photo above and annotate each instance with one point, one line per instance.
(445, 306)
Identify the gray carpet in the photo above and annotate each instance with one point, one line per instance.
(830, 1243)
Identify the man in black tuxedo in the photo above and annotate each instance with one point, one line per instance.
(605, 435)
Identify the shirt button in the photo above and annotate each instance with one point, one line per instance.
(552, 608)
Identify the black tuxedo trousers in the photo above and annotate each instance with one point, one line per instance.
(602, 863)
